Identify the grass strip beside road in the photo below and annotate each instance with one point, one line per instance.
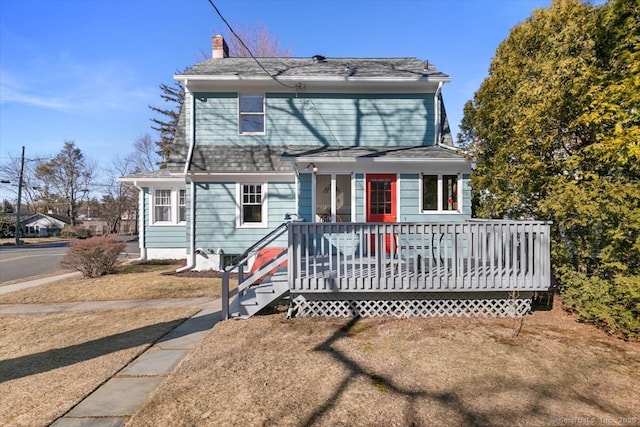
(130, 281)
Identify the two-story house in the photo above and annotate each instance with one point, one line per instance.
(328, 139)
(358, 149)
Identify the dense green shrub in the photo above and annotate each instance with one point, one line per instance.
(610, 303)
(553, 132)
(93, 257)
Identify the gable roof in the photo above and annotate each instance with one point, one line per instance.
(299, 68)
(59, 218)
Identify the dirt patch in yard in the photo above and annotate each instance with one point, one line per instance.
(49, 363)
(383, 372)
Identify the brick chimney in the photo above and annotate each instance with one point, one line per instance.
(220, 48)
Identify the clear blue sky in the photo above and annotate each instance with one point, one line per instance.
(86, 70)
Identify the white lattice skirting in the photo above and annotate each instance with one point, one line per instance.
(404, 308)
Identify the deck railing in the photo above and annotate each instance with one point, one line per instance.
(472, 256)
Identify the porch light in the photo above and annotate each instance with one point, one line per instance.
(313, 167)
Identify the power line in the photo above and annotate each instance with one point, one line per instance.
(246, 47)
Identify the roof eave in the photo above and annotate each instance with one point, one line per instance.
(197, 82)
(381, 159)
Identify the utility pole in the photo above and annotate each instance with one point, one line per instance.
(18, 231)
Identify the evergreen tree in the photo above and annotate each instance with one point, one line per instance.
(167, 120)
(554, 132)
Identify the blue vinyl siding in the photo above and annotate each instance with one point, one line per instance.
(305, 203)
(162, 236)
(217, 119)
(327, 119)
(216, 216)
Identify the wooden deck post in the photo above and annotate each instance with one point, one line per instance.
(225, 296)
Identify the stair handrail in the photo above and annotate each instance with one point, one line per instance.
(260, 244)
(242, 259)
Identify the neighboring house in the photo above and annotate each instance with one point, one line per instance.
(43, 225)
(328, 139)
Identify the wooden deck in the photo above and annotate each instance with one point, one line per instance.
(398, 269)
(477, 256)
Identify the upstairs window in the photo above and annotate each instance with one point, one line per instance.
(440, 193)
(251, 108)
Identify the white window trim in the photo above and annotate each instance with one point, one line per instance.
(265, 206)
(178, 206)
(439, 210)
(264, 114)
(333, 183)
(175, 194)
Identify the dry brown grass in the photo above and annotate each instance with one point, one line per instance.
(372, 372)
(131, 281)
(48, 363)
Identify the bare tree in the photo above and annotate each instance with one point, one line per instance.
(144, 158)
(69, 175)
(120, 198)
(32, 188)
(259, 41)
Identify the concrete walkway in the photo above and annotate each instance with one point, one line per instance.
(5, 289)
(116, 400)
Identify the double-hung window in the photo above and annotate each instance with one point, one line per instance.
(252, 205)
(440, 193)
(182, 205)
(168, 206)
(251, 109)
(162, 203)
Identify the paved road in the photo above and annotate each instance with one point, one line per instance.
(37, 259)
(30, 260)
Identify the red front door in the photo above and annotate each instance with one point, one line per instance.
(381, 202)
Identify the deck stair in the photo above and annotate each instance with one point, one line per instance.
(264, 285)
(257, 297)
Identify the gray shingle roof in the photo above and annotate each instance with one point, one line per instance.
(251, 158)
(391, 153)
(264, 158)
(161, 173)
(410, 68)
